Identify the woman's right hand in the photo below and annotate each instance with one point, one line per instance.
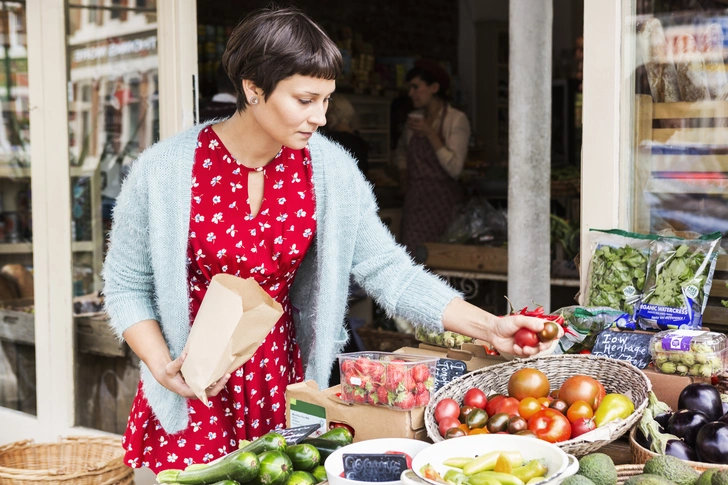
(170, 377)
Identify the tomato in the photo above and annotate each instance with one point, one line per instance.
(526, 338)
(550, 331)
(544, 401)
(581, 426)
(528, 383)
(447, 408)
(454, 433)
(447, 423)
(579, 410)
(478, 431)
(464, 427)
(529, 407)
(559, 405)
(582, 388)
(464, 411)
(475, 398)
(334, 424)
(492, 403)
(508, 406)
(550, 425)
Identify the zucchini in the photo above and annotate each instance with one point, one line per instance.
(305, 457)
(319, 474)
(243, 467)
(340, 435)
(268, 442)
(325, 447)
(275, 468)
(301, 478)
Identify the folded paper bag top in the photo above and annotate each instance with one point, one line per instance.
(234, 318)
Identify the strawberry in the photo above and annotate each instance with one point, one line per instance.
(373, 399)
(347, 365)
(406, 456)
(422, 398)
(377, 372)
(430, 383)
(347, 392)
(362, 365)
(420, 373)
(405, 400)
(360, 395)
(351, 377)
(395, 375)
(407, 384)
(383, 396)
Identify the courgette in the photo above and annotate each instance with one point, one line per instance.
(319, 473)
(275, 468)
(305, 457)
(301, 478)
(243, 467)
(340, 435)
(268, 442)
(325, 447)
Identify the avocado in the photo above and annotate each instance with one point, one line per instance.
(577, 480)
(599, 468)
(707, 476)
(673, 469)
(648, 479)
(718, 477)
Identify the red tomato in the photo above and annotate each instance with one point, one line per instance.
(475, 398)
(446, 408)
(579, 410)
(492, 403)
(508, 405)
(550, 425)
(582, 388)
(446, 423)
(526, 338)
(581, 426)
(528, 383)
(529, 407)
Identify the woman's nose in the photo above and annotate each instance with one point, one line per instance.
(318, 117)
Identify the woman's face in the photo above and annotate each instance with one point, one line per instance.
(294, 110)
(422, 93)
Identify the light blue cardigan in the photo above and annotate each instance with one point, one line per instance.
(145, 272)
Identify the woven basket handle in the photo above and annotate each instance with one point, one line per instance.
(16, 444)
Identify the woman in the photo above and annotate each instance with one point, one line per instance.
(237, 197)
(430, 155)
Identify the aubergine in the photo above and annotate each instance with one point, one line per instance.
(701, 397)
(685, 424)
(724, 418)
(712, 443)
(662, 419)
(680, 449)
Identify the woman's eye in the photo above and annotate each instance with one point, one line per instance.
(305, 101)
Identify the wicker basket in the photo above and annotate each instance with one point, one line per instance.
(70, 461)
(379, 340)
(625, 472)
(618, 376)
(641, 455)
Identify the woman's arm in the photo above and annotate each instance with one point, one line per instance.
(146, 340)
(452, 151)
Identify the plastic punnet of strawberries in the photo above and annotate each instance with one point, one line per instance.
(382, 379)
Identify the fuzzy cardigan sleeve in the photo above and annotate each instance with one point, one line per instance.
(387, 273)
(127, 273)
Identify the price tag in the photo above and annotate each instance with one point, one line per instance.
(447, 370)
(374, 467)
(629, 346)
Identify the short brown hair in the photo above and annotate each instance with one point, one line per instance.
(272, 44)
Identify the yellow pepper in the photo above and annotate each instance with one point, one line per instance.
(613, 407)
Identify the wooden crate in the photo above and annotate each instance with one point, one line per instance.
(484, 259)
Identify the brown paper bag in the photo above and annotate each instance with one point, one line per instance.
(234, 318)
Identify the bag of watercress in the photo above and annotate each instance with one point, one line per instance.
(618, 269)
(678, 282)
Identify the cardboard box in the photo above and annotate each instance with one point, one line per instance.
(306, 404)
(472, 361)
(667, 387)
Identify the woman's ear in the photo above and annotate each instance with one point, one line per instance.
(434, 88)
(251, 90)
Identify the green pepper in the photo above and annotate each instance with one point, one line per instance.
(613, 407)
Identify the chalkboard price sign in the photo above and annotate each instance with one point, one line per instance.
(295, 435)
(447, 370)
(630, 346)
(374, 467)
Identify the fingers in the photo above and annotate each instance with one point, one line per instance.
(174, 367)
(218, 386)
(531, 323)
(178, 385)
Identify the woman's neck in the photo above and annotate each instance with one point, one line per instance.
(434, 107)
(246, 141)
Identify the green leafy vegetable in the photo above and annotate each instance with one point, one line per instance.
(617, 277)
(679, 272)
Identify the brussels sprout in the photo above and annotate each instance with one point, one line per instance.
(688, 359)
(701, 358)
(681, 369)
(695, 370)
(675, 357)
(706, 370)
(661, 358)
(668, 367)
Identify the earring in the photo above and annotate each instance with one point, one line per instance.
(254, 100)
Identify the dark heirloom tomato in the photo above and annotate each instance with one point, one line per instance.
(550, 331)
(528, 383)
(550, 425)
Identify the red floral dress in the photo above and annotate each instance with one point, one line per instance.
(269, 246)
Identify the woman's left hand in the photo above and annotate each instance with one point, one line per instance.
(420, 126)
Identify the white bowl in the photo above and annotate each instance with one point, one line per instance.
(334, 464)
(560, 464)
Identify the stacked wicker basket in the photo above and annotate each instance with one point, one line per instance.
(70, 461)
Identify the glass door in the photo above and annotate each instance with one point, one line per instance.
(113, 114)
